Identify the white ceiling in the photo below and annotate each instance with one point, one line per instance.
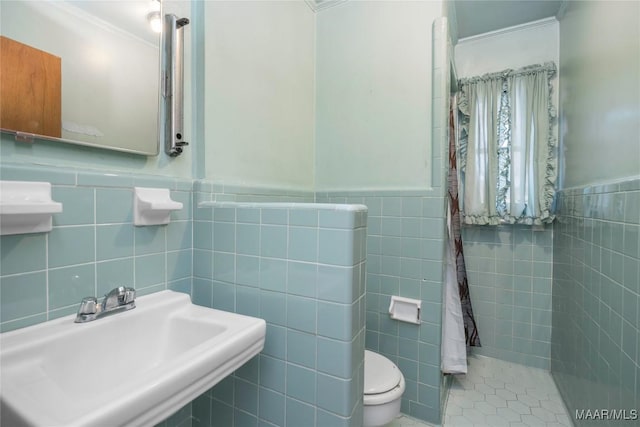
(128, 15)
(481, 16)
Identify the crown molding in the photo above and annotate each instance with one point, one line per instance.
(527, 25)
(319, 5)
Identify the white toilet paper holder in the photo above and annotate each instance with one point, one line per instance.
(405, 309)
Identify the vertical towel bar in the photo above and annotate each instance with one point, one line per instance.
(172, 84)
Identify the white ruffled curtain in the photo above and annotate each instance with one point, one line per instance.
(507, 147)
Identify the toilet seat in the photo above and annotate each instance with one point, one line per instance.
(383, 381)
(380, 373)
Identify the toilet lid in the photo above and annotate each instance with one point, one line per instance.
(380, 373)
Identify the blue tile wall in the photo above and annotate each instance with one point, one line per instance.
(92, 247)
(292, 280)
(405, 250)
(302, 269)
(211, 191)
(596, 287)
(182, 418)
(509, 268)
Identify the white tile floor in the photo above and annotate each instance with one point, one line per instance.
(496, 393)
(404, 421)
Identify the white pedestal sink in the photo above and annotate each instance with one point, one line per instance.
(133, 368)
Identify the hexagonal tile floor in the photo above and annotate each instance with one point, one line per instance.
(496, 393)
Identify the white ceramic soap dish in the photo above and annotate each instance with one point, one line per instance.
(26, 207)
(153, 206)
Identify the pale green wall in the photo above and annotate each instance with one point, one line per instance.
(594, 346)
(255, 123)
(63, 154)
(250, 121)
(258, 92)
(600, 91)
(373, 95)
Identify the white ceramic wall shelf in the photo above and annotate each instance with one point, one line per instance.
(153, 206)
(26, 207)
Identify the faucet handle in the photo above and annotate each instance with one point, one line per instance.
(118, 297)
(115, 292)
(124, 294)
(89, 305)
(129, 295)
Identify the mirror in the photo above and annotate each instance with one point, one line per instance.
(109, 69)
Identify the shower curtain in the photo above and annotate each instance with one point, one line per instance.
(458, 324)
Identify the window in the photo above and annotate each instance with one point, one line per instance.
(507, 147)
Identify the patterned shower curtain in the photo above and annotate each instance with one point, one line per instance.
(470, 328)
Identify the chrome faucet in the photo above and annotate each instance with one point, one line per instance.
(118, 299)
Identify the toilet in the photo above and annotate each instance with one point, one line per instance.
(383, 388)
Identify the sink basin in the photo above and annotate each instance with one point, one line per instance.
(133, 368)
